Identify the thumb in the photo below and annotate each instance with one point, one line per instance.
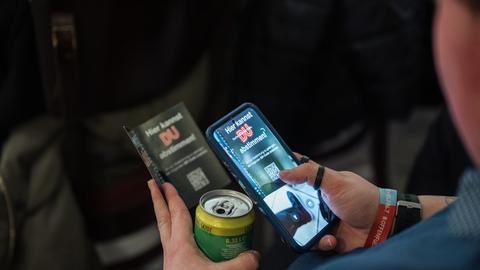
(246, 260)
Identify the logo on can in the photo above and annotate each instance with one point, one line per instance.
(223, 224)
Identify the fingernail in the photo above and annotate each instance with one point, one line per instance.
(283, 173)
(149, 183)
(254, 252)
(330, 243)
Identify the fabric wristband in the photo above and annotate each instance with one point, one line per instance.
(385, 217)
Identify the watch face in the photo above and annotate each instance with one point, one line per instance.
(409, 201)
(409, 212)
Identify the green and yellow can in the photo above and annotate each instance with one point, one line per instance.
(223, 224)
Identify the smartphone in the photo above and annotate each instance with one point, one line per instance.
(254, 153)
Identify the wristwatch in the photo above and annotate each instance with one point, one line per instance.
(409, 212)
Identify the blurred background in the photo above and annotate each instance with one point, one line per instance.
(352, 84)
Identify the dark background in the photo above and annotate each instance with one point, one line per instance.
(356, 76)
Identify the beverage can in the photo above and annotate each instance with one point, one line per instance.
(223, 224)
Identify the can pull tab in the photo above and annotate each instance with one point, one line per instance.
(224, 207)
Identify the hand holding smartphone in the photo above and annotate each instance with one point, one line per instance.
(254, 154)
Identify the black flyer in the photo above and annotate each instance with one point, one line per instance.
(173, 148)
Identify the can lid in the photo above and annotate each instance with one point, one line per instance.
(226, 203)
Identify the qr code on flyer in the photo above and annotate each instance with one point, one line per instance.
(272, 171)
(197, 179)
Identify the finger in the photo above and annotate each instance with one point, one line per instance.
(246, 260)
(161, 212)
(180, 217)
(327, 243)
(297, 155)
(303, 173)
(302, 158)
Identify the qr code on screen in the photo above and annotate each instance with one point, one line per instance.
(272, 171)
(197, 179)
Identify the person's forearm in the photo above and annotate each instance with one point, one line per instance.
(433, 204)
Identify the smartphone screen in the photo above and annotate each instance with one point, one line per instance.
(259, 156)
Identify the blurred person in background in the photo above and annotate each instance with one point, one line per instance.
(447, 237)
(72, 73)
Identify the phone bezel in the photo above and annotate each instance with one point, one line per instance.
(245, 184)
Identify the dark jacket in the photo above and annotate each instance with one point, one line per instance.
(20, 89)
(64, 98)
(316, 67)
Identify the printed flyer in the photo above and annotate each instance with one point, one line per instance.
(173, 148)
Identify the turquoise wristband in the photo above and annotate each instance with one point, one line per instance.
(388, 196)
